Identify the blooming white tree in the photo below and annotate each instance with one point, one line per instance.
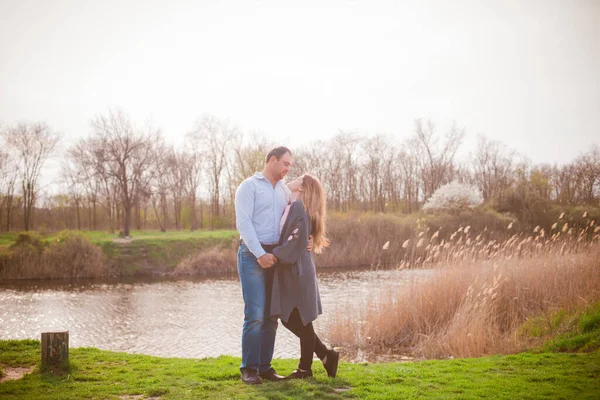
(454, 196)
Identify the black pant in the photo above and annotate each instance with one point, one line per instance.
(309, 341)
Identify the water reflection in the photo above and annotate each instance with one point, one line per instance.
(168, 317)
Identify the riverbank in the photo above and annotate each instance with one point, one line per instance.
(357, 240)
(108, 375)
(71, 254)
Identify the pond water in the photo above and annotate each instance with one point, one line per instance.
(169, 318)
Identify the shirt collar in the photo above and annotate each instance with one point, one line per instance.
(259, 175)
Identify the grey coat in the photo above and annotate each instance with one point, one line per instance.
(295, 277)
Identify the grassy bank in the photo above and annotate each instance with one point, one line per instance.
(69, 254)
(109, 375)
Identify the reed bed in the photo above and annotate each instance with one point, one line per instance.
(359, 240)
(479, 293)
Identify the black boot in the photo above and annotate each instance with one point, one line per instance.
(300, 374)
(331, 363)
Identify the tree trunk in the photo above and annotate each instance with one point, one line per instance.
(94, 215)
(126, 219)
(164, 210)
(193, 219)
(55, 350)
(145, 225)
(138, 214)
(9, 213)
(78, 214)
(201, 215)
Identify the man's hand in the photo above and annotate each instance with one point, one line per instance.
(310, 243)
(267, 260)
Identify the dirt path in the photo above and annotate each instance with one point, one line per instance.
(14, 373)
(122, 240)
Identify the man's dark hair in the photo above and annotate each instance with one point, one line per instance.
(278, 152)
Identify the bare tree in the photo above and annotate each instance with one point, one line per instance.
(33, 144)
(177, 177)
(9, 174)
(127, 151)
(92, 170)
(74, 183)
(214, 137)
(159, 186)
(348, 144)
(407, 163)
(378, 152)
(492, 167)
(436, 162)
(249, 157)
(192, 163)
(589, 171)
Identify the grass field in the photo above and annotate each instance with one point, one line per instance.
(567, 366)
(108, 375)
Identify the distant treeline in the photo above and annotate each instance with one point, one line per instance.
(123, 176)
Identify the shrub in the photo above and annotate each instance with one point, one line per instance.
(73, 255)
(70, 255)
(454, 196)
(29, 239)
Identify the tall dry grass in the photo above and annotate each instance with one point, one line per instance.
(478, 295)
(359, 239)
(213, 261)
(71, 255)
(384, 241)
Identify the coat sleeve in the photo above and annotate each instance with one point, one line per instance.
(294, 245)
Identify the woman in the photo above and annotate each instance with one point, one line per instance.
(295, 296)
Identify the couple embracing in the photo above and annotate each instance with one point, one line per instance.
(280, 225)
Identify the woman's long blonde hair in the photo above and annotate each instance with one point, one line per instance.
(315, 203)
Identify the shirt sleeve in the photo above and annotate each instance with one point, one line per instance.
(244, 209)
(288, 193)
(294, 245)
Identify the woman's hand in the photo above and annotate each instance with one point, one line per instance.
(310, 243)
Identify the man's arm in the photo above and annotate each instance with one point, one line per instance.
(244, 208)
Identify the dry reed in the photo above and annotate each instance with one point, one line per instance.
(479, 293)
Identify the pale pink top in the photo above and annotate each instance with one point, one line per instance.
(283, 217)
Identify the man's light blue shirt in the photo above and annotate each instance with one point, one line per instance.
(258, 210)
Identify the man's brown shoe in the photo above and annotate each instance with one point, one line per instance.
(251, 377)
(271, 375)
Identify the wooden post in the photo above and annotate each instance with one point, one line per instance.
(55, 350)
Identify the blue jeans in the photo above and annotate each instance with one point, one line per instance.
(258, 333)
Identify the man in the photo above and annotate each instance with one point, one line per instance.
(259, 204)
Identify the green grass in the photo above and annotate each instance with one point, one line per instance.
(108, 375)
(566, 367)
(98, 237)
(563, 331)
(583, 334)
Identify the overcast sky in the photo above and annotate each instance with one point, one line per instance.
(523, 72)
